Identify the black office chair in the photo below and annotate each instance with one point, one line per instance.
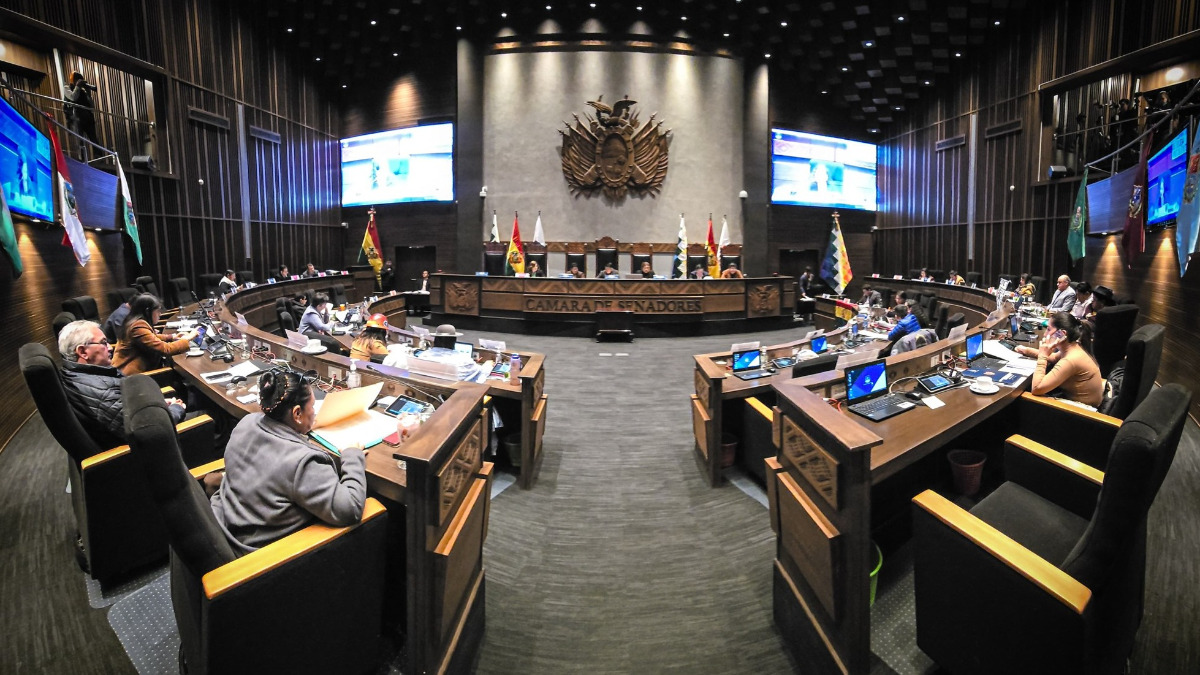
(821, 364)
(938, 275)
(245, 276)
(974, 279)
(337, 294)
(179, 292)
(1047, 573)
(82, 307)
(1114, 326)
(210, 284)
(1012, 280)
(118, 529)
(955, 319)
(276, 609)
(286, 321)
(607, 255)
(1143, 354)
(941, 326)
(60, 322)
(579, 260)
(146, 284)
(119, 296)
(914, 273)
(1041, 293)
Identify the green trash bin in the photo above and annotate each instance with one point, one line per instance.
(876, 564)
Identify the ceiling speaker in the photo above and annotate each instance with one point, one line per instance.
(1057, 171)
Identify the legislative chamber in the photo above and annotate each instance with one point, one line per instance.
(726, 337)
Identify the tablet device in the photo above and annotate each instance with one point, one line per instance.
(934, 383)
(404, 404)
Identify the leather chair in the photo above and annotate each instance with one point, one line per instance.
(1012, 280)
(941, 325)
(119, 296)
(1047, 573)
(60, 322)
(311, 602)
(974, 278)
(210, 284)
(578, 259)
(1143, 353)
(82, 307)
(1114, 326)
(955, 319)
(915, 340)
(914, 273)
(607, 255)
(938, 275)
(286, 321)
(179, 292)
(146, 285)
(245, 276)
(1040, 291)
(337, 294)
(118, 528)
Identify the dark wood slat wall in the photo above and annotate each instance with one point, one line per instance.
(922, 221)
(213, 55)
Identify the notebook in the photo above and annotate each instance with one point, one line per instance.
(346, 418)
(867, 392)
(747, 365)
(978, 363)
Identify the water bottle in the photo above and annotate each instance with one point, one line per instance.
(514, 365)
(762, 357)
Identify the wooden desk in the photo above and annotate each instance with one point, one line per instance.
(568, 306)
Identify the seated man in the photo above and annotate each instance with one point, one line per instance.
(93, 385)
(732, 272)
(1064, 296)
(1083, 300)
(906, 322)
(574, 271)
(870, 296)
(310, 272)
(608, 269)
(228, 283)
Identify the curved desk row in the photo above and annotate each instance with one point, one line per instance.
(974, 303)
(657, 307)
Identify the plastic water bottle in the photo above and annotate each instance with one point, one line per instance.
(514, 365)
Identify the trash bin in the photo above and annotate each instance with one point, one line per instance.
(966, 466)
(729, 444)
(512, 446)
(876, 565)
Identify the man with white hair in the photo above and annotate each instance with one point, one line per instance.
(93, 386)
(1064, 296)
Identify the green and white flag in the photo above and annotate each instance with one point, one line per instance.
(1075, 239)
(129, 220)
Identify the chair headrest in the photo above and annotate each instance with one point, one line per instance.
(42, 378)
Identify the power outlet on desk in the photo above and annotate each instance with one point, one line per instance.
(336, 374)
(935, 361)
(946, 356)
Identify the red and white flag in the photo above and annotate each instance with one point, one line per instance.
(67, 208)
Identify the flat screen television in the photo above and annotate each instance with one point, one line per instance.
(1165, 174)
(25, 170)
(415, 164)
(812, 170)
(1108, 202)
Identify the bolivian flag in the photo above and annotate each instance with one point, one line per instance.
(370, 247)
(514, 262)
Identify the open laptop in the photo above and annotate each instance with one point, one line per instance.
(977, 360)
(1014, 330)
(818, 344)
(867, 392)
(747, 365)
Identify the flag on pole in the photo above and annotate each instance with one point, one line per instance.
(1133, 238)
(73, 236)
(495, 229)
(714, 265)
(129, 220)
(8, 238)
(835, 269)
(1075, 241)
(514, 261)
(679, 269)
(538, 235)
(724, 240)
(370, 247)
(1187, 222)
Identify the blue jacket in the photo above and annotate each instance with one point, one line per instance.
(908, 324)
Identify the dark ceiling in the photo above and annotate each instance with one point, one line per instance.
(870, 56)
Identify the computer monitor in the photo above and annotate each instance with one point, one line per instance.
(464, 348)
(817, 345)
(747, 360)
(974, 346)
(866, 381)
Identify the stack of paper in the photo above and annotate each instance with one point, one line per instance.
(345, 418)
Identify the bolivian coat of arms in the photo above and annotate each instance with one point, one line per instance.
(612, 153)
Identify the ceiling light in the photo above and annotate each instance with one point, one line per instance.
(372, 22)
(395, 53)
(958, 54)
(873, 130)
(928, 82)
(868, 43)
(897, 107)
(766, 56)
(845, 69)
(824, 91)
(683, 18)
(318, 58)
(726, 34)
(547, 8)
(1174, 75)
(639, 8)
(900, 18)
(593, 5)
(503, 15)
(997, 23)
(783, 23)
(343, 86)
(458, 28)
(289, 30)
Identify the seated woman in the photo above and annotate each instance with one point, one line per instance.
(1025, 286)
(371, 344)
(276, 482)
(140, 348)
(647, 271)
(534, 269)
(1063, 365)
(312, 321)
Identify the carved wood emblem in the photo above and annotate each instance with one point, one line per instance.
(462, 297)
(762, 300)
(814, 464)
(456, 474)
(701, 387)
(612, 153)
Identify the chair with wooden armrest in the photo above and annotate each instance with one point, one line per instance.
(1113, 328)
(179, 292)
(1143, 353)
(118, 527)
(1047, 573)
(145, 284)
(311, 602)
(1074, 431)
(210, 284)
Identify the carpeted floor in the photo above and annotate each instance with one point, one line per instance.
(619, 560)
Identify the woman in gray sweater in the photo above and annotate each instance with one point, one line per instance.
(276, 482)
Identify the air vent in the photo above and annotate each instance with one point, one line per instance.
(952, 142)
(265, 135)
(1002, 129)
(208, 119)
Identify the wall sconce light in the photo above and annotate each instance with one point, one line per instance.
(483, 192)
(743, 195)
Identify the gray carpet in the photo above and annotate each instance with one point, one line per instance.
(619, 560)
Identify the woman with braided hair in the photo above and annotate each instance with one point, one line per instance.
(276, 482)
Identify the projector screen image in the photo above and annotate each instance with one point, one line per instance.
(403, 165)
(25, 174)
(1165, 174)
(811, 170)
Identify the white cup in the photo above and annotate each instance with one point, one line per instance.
(984, 380)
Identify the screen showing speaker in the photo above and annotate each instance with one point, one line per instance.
(25, 170)
(415, 164)
(812, 170)
(1165, 174)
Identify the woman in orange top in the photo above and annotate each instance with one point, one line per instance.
(1063, 365)
(371, 345)
(141, 349)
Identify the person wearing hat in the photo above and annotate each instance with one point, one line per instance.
(371, 343)
(444, 336)
(608, 269)
(575, 272)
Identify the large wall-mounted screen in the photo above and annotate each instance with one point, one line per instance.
(25, 171)
(403, 165)
(1165, 175)
(812, 170)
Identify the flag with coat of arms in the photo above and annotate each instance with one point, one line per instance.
(835, 269)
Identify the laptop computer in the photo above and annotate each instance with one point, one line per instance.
(867, 392)
(1014, 330)
(818, 344)
(977, 360)
(747, 365)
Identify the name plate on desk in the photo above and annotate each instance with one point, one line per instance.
(588, 304)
